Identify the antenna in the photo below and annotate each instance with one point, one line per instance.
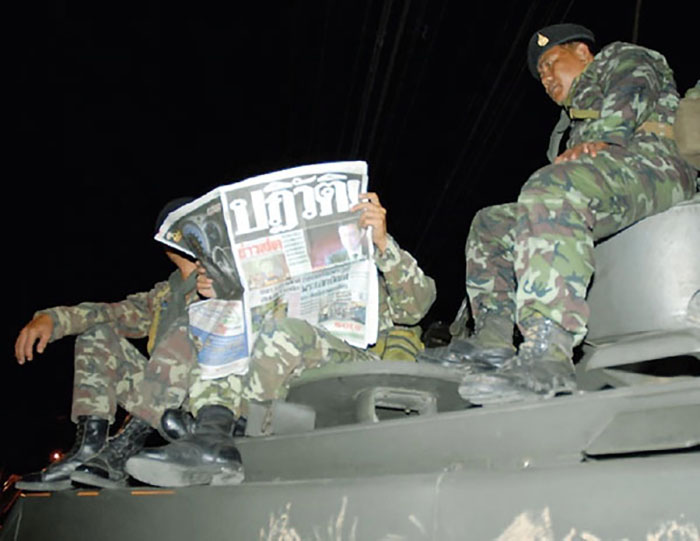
(635, 29)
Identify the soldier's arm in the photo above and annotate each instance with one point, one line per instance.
(629, 87)
(411, 292)
(130, 318)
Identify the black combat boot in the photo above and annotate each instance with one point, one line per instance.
(90, 438)
(106, 468)
(487, 349)
(208, 456)
(176, 424)
(543, 367)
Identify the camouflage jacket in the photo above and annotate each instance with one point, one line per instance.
(139, 315)
(405, 292)
(624, 87)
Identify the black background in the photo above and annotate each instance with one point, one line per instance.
(121, 107)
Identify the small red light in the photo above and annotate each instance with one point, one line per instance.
(56, 456)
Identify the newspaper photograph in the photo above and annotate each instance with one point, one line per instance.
(283, 244)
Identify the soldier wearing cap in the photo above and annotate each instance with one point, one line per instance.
(530, 262)
(109, 370)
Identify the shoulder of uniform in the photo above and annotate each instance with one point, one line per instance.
(622, 47)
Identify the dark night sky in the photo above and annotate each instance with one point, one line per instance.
(121, 109)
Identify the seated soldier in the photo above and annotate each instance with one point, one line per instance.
(531, 262)
(109, 370)
(284, 348)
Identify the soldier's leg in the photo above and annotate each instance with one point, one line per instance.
(226, 391)
(490, 285)
(284, 348)
(204, 453)
(564, 208)
(490, 279)
(166, 378)
(162, 385)
(102, 360)
(554, 231)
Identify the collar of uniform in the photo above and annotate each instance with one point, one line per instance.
(574, 85)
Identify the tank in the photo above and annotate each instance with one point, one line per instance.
(391, 451)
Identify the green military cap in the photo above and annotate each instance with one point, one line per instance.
(169, 207)
(556, 34)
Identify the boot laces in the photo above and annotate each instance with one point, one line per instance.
(543, 339)
(128, 441)
(537, 339)
(80, 434)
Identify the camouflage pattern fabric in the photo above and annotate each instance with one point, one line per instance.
(288, 346)
(107, 370)
(405, 292)
(110, 371)
(491, 281)
(284, 348)
(535, 257)
(166, 379)
(399, 344)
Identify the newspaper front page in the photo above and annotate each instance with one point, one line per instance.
(284, 244)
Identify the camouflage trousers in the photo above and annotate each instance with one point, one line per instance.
(536, 256)
(110, 371)
(283, 349)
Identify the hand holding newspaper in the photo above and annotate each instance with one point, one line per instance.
(283, 244)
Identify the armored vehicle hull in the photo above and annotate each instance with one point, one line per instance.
(392, 451)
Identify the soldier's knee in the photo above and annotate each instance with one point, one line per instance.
(478, 223)
(550, 179)
(485, 219)
(565, 180)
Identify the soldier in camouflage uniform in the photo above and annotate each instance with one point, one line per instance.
(109, 370)
(530, 262)
(284, 348)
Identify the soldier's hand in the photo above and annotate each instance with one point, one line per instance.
(205, 285)
(374, 214)
(575, 152)
(39, 328)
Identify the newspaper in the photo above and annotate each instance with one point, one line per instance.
(284, 244)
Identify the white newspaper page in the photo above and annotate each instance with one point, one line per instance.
(284, 244)
(300, 251)
(219, 332)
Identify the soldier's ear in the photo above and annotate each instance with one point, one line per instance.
(583, 52)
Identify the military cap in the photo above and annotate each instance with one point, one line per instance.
(170, 206)
(556, 34)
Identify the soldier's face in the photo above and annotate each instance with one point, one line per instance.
(559, 66)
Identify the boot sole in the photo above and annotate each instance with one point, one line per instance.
(163, 474)
(484, 390)
(92, 480)
(38, 486)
